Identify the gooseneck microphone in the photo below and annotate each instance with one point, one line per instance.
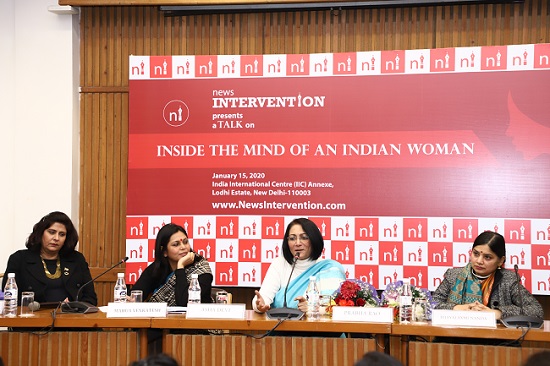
(520, 295)
(521, 321)
(285, 312)
(296, 257)
(83, 307)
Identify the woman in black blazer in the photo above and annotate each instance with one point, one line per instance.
(50, 266)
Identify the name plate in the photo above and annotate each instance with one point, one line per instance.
(136, 310)
(216, 311)
(362, 314)
(458, 318)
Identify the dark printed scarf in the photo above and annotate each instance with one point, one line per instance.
(468, 289)
(166, 293)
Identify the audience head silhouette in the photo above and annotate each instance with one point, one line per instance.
(375, 358)
(159, 359)
(538, 359)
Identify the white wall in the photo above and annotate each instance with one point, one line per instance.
(39, 151)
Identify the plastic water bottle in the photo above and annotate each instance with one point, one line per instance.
(120, 288)
(194, 290)
(10, 297)
(405, 303)
(312, 296)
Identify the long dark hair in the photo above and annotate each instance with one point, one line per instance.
(161, 265)
(315, 239)
(495, 241)
(34, 241)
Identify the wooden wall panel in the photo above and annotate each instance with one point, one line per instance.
(235, 350)
(69, 348)
(109, 34)
(104, 122)
(435, 354)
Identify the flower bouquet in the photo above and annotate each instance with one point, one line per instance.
(355, 293)
(390, 297)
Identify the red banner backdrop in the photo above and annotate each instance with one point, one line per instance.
(401, 157)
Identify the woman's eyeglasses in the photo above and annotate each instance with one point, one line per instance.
(294, 238)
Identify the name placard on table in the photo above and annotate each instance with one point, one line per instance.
(136, 310)
(216, 311)
(458, 318)
(362, 314)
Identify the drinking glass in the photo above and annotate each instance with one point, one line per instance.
(221, 297)
(27, 300)
(421, 311)
(324, 303)
(136, 296)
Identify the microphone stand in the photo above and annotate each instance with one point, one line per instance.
(83, 307)
(521, 321)
(285, 312)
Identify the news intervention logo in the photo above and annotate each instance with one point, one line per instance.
(175, 113)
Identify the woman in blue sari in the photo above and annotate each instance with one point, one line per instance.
(303, 240)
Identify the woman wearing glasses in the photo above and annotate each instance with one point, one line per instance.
(303, 241)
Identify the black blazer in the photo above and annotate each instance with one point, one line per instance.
(30, 276)
(505, 295)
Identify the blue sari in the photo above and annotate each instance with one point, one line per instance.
(326, 271)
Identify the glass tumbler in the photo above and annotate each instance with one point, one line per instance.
(221, 297)
(324, 303)
(421, 311)
(136, 296)
(27, 303)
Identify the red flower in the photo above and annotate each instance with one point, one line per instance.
(348, 290)
(344, 302)
(355, 293)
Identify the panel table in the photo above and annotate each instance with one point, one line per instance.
(240, 344)
(75, 339)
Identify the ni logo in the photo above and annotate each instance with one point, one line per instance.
(175, 113)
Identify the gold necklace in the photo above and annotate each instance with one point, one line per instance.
(57, 273)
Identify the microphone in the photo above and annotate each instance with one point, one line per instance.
(83, 307)
(34, 306)
(518, 279)
(521, 321)
(286, 312)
